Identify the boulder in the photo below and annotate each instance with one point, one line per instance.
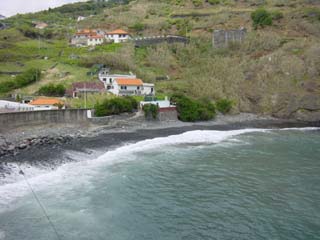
(23, 146)
(304, 108)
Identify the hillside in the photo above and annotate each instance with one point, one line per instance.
(275, 71)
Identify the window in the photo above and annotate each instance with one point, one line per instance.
(110, 80)
(138, 88)
(104, 79)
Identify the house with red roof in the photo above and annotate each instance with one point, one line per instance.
(87, 37)
(95, 40)
(47, 104)
(125, 84)
(78, 89)
(117, 36)
(92, 37)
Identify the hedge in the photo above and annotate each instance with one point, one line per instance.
(190, 110)
(115, 106)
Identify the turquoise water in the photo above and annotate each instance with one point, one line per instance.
(199, 185)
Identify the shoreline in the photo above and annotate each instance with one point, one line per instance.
(46, 146)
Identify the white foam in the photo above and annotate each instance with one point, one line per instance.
(2, 235)
(301, 129)
(80, 172)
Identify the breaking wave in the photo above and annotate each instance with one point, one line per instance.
(80, 171)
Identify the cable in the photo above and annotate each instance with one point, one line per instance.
(40, 204)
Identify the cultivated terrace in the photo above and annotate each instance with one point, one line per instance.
(275, 70)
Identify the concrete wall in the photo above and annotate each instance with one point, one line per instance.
(169, 114)
(37, 118)
(222, 38)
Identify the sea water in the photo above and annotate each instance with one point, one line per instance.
(243, 184)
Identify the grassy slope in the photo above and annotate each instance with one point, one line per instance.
(260, 75)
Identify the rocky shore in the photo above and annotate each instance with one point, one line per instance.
(12, 149)
(24, 140)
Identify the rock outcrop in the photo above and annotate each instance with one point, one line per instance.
(12, 149)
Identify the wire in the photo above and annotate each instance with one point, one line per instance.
(40, 204)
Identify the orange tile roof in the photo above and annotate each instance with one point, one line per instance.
(86, 32)
(96, 36)
(118, 31)
(129, 81)
(46, 101)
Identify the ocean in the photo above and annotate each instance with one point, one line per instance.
(240, 184)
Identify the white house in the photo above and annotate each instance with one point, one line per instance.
(8, 106)
(87, 37)
(47, 104)
(109, 79)
(81, 18)
(148, 89)
(95, 40)
(117, 36)
(131, 87)
(125, 85)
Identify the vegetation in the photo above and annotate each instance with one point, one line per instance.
(256, 74)
(151, 111)
(21, 80)
(224, 105)
(115, 106)
(261, 18)
(192, 110)
(51, 89)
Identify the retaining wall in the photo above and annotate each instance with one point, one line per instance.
(37, 118)
(222, 38)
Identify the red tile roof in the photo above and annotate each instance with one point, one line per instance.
(46, 101)
(129, 81)
(96, 36)
(88, 85)
(86, 32)
(118, 31)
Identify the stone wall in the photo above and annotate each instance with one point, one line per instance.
(168, 114)
(15, 120)
(222, 38)
(170, 39)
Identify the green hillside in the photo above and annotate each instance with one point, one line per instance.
(276, 70)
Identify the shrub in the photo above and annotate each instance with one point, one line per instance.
(197, 3)
(52, 90)
(261, 17)
(276, 15)
(21, 80)
(138, 27)
(212, 2)
(192, 110)
(151, 110)
(224, 105)
(115, 106)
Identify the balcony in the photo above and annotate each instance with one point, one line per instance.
(130, 92)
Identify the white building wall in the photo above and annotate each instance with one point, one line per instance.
(14, 106)
(94, 41)
(148, 89)
(117, 38)
(114, 89)
(109, 79)
(46, 107)
(161, 104)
